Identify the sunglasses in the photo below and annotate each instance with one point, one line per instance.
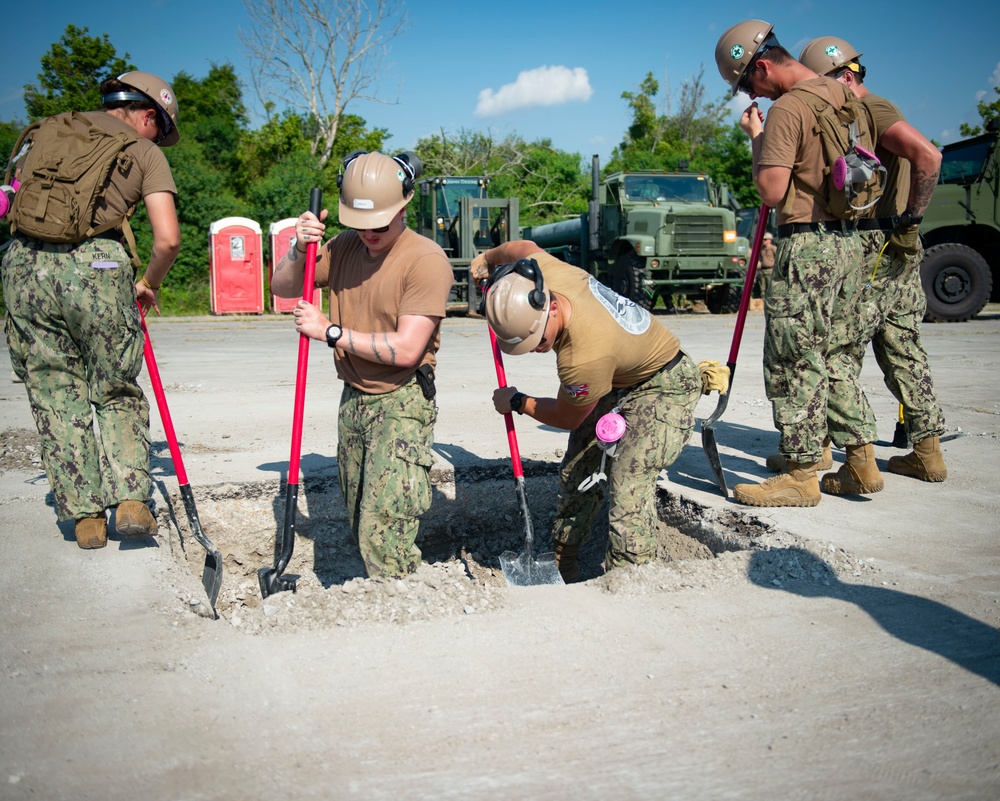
(163, 125)
(744, 84)
(381, 230)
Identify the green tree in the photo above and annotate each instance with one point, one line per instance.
(72, 72)
(987, 112)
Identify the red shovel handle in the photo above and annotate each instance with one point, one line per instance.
(302, 368)
(161, 402)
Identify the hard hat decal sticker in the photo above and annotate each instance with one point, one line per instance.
(166, 97)
(400, 176)
(363, 203)
(736, 51)
(833, 51)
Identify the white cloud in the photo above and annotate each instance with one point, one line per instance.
(543, 86)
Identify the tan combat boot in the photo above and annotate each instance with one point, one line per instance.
(858, 475)
(777, 461)
(133, 519)
(925, 461)
(91, 532)
(569, 568)
(798, 485)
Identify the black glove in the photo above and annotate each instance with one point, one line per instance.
(905, 240)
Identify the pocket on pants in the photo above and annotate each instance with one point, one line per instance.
(789, 327)
(404, 490)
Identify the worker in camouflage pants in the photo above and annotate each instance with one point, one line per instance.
(73, 324)
(389, 290)
(660, 421)
(894, 310)
(76, 342)
(384, 447)
(611, 354)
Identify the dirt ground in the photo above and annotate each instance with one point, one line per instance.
(850, 650)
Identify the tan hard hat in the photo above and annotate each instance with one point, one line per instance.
(518, 324)
(737, 47)
(159, 91)
(373, 189)
(827, 53)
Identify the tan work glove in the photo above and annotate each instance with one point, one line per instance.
(478, 268)
(906, 241)
(713, 377)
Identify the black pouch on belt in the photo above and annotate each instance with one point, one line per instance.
(425, 377)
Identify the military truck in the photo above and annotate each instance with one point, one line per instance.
(961, 229)
(456, 213)
(655, 233)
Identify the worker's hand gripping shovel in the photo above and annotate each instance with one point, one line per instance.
(211, 574)
(270, 578)
(522, 570)
(707, 427)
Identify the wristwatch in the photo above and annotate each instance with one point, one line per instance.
(333, 333)
(517, 402)
(908, 218)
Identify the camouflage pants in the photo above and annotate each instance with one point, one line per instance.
(660, 418)
(892, 317)
(75, 339)
(384, 457)
(810, 343)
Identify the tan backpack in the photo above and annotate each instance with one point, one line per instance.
(853, 173)
(65, 177)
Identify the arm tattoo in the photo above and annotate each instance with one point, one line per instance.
(921, 188)
(378, 356)
(350, 341)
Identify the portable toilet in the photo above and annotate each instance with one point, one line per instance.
(236, 267)
(281, 236)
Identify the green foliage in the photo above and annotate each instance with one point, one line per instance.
(550, 184)
(72, 72)
(695, 136)
(987, 112)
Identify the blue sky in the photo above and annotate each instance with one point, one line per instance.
(552, 68)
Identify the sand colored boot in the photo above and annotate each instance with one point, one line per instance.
(925, 461)
(91, 532)
(777, 461)
(133, 519)
(858, 475)
(798, 485)
(569, 567)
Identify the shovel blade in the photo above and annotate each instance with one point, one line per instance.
(521, 570)
(712, 452)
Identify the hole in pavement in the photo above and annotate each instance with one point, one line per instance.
(474, 517)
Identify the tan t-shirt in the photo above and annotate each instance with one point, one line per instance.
(370, 295)
(789, 141)
(609, 343)
(897, 178)
(152, 173)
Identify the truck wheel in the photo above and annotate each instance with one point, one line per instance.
(626, 279)
(957, 282)
(724, 299)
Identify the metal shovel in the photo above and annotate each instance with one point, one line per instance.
(211, 574)
(707, 427)
(522, 570)
(271, 579)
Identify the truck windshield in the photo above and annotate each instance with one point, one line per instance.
(963, 162)
(688, 188)
(455, 188)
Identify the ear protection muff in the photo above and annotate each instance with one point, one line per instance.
(343, 167)
(412, 167)
(526, 268)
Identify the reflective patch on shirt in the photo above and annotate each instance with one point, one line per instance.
(577, 391)
(628, 314)
(104, 265)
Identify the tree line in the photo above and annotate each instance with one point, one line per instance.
(225, 167)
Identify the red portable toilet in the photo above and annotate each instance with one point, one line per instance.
(281, 235)
(236, 267)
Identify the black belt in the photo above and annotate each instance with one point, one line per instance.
(831, 226)
(877, 224)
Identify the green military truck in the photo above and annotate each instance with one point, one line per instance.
(655, 233)
(961, 229)
(456, 213)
